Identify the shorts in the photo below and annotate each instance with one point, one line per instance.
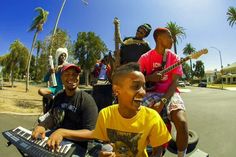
(175, 103)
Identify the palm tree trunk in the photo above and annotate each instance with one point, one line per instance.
(54, 32)
(36, 66)
(191, 66)
(29, 59)
(55, 27)
(86, 73)
(175, 48)
(11, 74)
(12, 77)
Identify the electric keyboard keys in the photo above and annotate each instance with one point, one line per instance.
(21, 138)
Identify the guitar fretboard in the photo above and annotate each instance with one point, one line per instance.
(175, 65)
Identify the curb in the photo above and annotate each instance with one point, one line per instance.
(22, 114)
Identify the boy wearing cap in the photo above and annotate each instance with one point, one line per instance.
(74, 112)
(164, 96)
(133, 47)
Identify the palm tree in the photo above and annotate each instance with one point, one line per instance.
(188, 50)
(177, 32)
(55, 27)
(57, 21)
(14, 62)
(231, 13)
(199, 69)
(37, 25)
(38, 47)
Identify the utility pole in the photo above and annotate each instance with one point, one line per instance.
(221, 65)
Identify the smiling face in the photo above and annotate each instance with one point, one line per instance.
(130, 91)
(70, 79)
(62, 58)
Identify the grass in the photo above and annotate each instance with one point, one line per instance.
(17, 100)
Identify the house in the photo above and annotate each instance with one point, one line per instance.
(229, 74)
(211, 76)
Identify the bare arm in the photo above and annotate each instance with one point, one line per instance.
(83, 134)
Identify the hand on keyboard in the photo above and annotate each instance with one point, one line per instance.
(39, 132)
(54, 140)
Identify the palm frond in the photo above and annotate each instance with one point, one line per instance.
(177, 32)
(188, 49)
(39, 20)
(231, 13)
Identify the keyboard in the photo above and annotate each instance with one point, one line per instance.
(21, 139)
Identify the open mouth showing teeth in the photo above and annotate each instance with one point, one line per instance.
(138, 100)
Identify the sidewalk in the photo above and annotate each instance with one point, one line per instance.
(231, 88)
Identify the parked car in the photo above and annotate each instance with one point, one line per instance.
(187, 83)
(181, 84)
(202, 84)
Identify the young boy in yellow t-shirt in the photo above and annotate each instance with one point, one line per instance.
(128, 125)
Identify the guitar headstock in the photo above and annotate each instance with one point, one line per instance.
(197, 54)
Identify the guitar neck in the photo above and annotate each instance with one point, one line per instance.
(175, 65)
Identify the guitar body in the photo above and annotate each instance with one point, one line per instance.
(150, 86)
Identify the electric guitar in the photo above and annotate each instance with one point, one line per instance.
(196, 55)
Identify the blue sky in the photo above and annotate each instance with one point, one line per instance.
(205, 22)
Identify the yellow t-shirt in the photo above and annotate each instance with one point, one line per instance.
(131, 136)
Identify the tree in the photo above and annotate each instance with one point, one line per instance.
(60, 38)
(57, 21)
(37, 25)
(42, 66)
(199, 69)
(188, 50)
(38, 47)
(187, 71)
(177, 33)
(15, 62)
(231, 13)
(88, 49)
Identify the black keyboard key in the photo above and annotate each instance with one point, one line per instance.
(27, 136)
(16, 130)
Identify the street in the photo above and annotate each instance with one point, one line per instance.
(211, 113)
